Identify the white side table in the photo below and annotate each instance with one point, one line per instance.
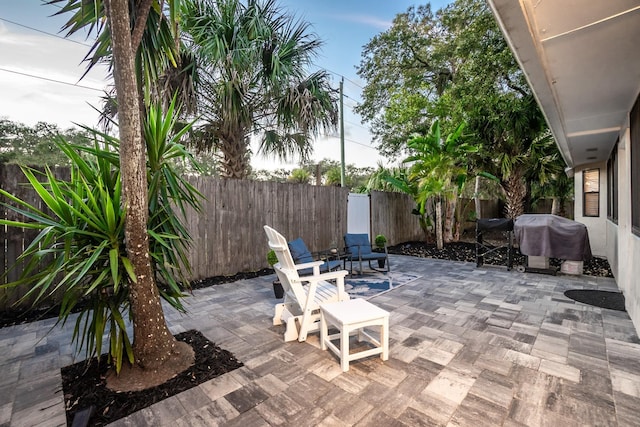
(351, 317)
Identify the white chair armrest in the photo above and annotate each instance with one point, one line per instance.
(309, 265)
(331, 275)
(337, 275)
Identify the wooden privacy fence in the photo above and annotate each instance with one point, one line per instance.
(227, 235)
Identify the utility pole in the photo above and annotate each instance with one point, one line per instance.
(342, 174)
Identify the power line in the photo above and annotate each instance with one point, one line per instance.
(88, 45)
(44, 32)
(360, 143)
(354, 100)
(356, 124)
(50, 80)
(340, 75)
(352, 141)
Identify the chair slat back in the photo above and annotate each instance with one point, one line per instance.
(285, 268)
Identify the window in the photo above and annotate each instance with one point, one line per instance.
(591, 191)
(612, 185)
(634, 121)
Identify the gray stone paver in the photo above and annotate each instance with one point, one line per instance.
(468, 347)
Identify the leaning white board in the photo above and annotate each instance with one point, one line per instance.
(359, 214)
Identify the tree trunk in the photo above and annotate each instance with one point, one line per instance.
(562, 211)
(439, 240)
(554, 206)
(476, 198)
(516, 192)
(235, 160)
(450, 217)
(154, 347)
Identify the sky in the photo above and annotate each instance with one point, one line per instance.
(31, 44)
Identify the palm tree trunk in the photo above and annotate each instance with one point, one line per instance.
(154, 346)
(235, 159)
(516, 192)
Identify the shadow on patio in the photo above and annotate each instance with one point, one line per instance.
(468, 346)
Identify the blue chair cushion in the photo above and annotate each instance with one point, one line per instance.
(299, 251)
(358, 244)
(301, 255)
(373, 255)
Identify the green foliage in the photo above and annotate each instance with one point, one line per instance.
(380, 241)
(278, 175)
(300, 176)
(334, 176)
(272, 258)
(330, 171)
(455, 64)
(253, 59)
(35, 145)
(162, 70)
(80, 247)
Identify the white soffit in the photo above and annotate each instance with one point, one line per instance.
(580, 57)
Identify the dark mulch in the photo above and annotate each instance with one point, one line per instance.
(466, 251)
(84, 383)
(219, 280)
(603, 299)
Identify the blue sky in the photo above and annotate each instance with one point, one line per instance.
(344, 26)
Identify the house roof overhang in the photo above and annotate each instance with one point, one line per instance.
(581, 60)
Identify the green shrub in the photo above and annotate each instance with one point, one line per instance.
(81, 245)
(272, 259)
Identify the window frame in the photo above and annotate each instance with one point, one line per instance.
(634, 136)
(592, 193)
(612, 184)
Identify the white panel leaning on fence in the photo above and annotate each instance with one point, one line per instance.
(300, 310)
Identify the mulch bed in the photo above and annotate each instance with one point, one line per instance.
(466, 251)
(84, 383)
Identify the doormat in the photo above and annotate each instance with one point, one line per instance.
(603, 299)
(371, 284)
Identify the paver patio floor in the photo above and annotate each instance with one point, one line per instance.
(468, 346)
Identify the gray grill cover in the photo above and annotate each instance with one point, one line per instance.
(552, 236)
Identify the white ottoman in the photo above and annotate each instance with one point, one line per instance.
(352, 317)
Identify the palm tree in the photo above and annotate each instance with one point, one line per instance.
(439, 168)
(399, 178)
(519, 148)
(141, 41)
(253, 81)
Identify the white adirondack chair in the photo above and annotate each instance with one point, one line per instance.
(300, 310)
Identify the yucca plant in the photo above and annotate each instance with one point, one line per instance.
(80, 248)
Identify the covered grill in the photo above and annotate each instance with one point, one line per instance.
(552, 236)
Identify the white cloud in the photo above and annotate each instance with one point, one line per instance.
(29, 99)
(381, 24)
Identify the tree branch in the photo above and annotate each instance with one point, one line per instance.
(142, 12)
(418, 58)
(513, 86)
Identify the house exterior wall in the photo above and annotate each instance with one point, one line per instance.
(623, 248)
(595, 225)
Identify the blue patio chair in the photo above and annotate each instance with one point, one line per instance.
(358, 248)
(302, 255)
